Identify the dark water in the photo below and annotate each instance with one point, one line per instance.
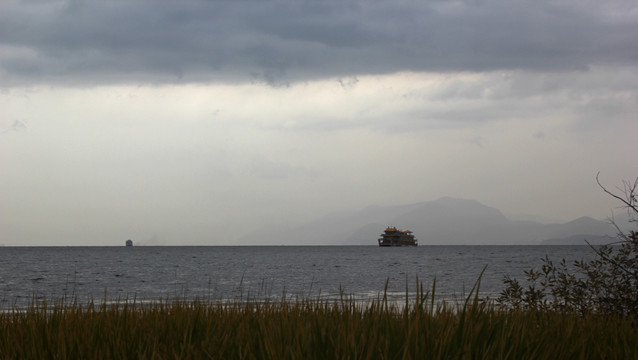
(151, 273)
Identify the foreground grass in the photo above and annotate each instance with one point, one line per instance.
(308, 329)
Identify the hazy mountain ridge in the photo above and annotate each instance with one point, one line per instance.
(446, 221)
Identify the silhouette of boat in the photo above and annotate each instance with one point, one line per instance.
(395, 237)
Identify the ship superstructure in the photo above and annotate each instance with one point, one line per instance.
(395, 237)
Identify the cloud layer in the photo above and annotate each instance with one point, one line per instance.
(286, 41)
(197, 122)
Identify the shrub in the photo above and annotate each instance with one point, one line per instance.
(607, 285)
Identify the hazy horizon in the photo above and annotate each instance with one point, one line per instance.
(199, 122)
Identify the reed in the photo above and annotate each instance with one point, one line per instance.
(309, 329)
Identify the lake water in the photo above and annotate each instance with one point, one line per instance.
(211, 272)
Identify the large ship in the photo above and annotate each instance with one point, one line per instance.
(395, 237)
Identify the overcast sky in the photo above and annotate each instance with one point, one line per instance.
(198, 122)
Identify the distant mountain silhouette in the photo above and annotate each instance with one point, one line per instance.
(581, 240)
(446, 221)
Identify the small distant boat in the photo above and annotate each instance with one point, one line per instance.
(395, 237)
(129, 242)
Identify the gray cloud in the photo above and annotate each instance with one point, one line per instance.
(286, 41)
(17, 125)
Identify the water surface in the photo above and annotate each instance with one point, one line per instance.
(152, 273)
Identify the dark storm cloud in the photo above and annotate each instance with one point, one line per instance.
(280, 41)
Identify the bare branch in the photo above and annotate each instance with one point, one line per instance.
(629, 190)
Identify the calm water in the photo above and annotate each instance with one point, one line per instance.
(151, 273)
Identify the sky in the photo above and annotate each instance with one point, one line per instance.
(200, 122)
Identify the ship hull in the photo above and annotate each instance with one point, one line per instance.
(396, 245)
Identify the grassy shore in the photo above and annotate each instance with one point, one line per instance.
(309, 329)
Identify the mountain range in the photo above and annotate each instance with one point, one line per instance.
(446, 221)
